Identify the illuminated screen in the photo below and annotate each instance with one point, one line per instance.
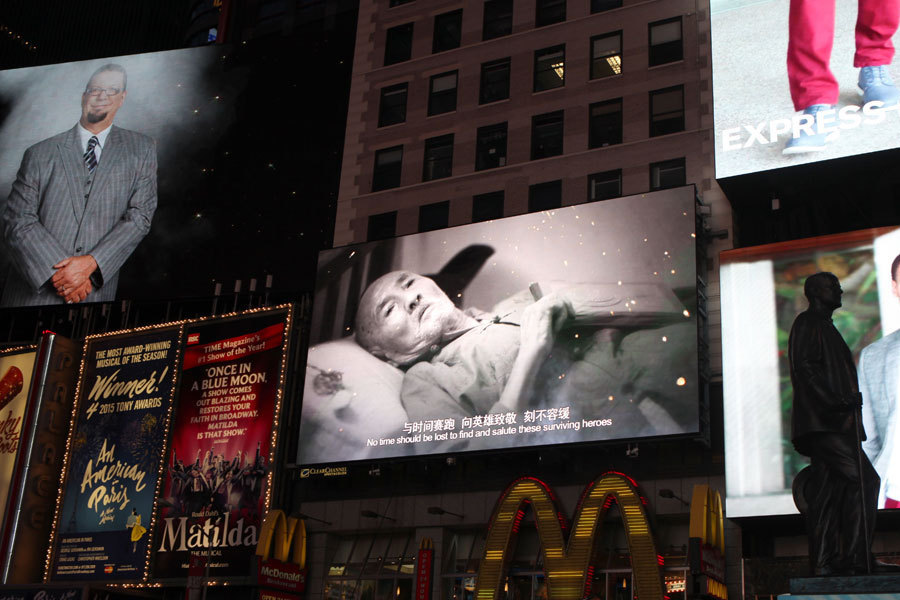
(201, 161)
(570, 325)
(759, 92)
(762, 293)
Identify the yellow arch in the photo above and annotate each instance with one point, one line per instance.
(706, 517)
(567, 564)
(286, 534)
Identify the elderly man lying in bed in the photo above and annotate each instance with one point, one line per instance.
(601, 350)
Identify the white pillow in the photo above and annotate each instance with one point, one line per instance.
(349, 396)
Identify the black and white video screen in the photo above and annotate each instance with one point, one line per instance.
(571, 325)
(161, 175)
(762, 294)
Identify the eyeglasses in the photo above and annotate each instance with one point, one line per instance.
(96, 91)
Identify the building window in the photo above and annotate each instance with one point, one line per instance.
(490, 148)
(447, 31)
(550, 68)
(549, 12)
(547, 135)
(462, 557)
(382, 227)
(606, 55)
(494, 81)
(438, 161)
(605, 123)
(434, 216)
(604, 5)
(372, 566)
(667, 174)
(605, 185)
(387, 168)
(486, 207)
(398, 45)
(545, 196)
(498, 17)
(667, 110)
(665, 42)
(442, 93)
(392, 109)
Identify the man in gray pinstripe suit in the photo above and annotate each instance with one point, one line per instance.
(81, 203)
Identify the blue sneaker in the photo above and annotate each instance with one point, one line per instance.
(806, 142)
(875, 83)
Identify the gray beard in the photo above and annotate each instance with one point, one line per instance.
(95, 118)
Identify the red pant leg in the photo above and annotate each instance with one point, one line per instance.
(811, 34)
(875, 25)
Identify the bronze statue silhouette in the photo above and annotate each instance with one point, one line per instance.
(838, 492)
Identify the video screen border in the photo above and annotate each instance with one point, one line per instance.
(697, 306)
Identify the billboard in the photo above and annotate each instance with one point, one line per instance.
(33, 494)
(190, 163)
(114, 455)
(762, 83)
(16, 368)
(218, 474)
(762, 293)
(570, 325)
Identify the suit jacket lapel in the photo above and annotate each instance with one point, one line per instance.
(891, 365)
(73, 160)
(112, 153)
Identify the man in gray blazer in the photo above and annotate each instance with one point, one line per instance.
(879, 378)
(81, 203)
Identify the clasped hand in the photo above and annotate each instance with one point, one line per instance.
(72, 280)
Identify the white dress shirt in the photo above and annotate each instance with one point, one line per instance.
(85, 137)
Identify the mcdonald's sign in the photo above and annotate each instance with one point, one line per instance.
(281, 553)
(567, 562)
(707, 543)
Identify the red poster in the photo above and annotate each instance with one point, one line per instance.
(220, 454)
(423, 574)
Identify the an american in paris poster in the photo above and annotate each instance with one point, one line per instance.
(115, 451)
(220, 456)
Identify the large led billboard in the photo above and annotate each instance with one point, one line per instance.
(570, 325)
(772, 60)
(762, 294)
(200, 152)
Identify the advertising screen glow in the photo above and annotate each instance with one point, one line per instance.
(570, 325)
(762, 294)
(783, 96)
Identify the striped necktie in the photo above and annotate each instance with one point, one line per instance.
(90, 159)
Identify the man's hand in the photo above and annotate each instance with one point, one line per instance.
(72, 273)
(541, 321)
(79, 293)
